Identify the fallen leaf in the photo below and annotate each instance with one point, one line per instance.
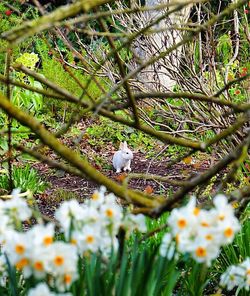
(121, 177)
(149, 189)
(188, 160)
(197, 165)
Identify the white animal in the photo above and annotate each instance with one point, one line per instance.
(122, 158)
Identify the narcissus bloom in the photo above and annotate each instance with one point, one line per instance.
(62, 258)
(68, 214)
(200, 232)
(16, 208)
(42, 235)
(168, 247)
(233, 277)
(43, 290)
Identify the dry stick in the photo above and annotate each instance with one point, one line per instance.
(234, 155)
(184, 41)
(127, 43)
(30, 28)
(137, 9)
(131, 39)
(73, 158)
(157, 177)
(161, 136)
(31, 88)
(8, 94)
(191, 96)
(144, 128)
(52, 163)
(123, 74)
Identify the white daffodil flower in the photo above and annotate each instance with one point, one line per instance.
(228, 228)
(17, 209)
(204, 251)
(135, 222)
(42, 235)
(233, 277)
(69, 212)
(167, 247)
(62, 259)
(90, 238)
(43, 290)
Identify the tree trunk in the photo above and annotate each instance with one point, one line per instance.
(160, 74)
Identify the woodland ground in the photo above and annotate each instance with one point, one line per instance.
(65, 186)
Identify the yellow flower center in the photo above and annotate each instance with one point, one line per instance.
(38, 265)
(228, 232)
(95, 196)
(221, 217)
(22, 263)
(48, 240)
(204, 224)
(196, 211)
(20, 249)
(73, 241)
(109, 213)
(67, 278)
(90, 239)
(248, 271)
(59, 260)
(182, 223)
(209, 237)
(200, 252)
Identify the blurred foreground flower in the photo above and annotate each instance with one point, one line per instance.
(200, 232)
(237, 276)
(91, 227)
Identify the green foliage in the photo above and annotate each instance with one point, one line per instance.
(24, 178)
(8, 22)
(53, 69)
(105, 131)
(224, 48)
(60, 195)
(28, 60)
(134, 273)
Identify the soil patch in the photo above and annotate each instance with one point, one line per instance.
(65, 187)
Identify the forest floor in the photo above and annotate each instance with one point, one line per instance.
(63, 186)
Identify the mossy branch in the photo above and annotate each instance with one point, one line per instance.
(30, 28)
(202, 178)
(184, 95)
(74, 158)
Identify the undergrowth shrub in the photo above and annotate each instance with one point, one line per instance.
(25, 178)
